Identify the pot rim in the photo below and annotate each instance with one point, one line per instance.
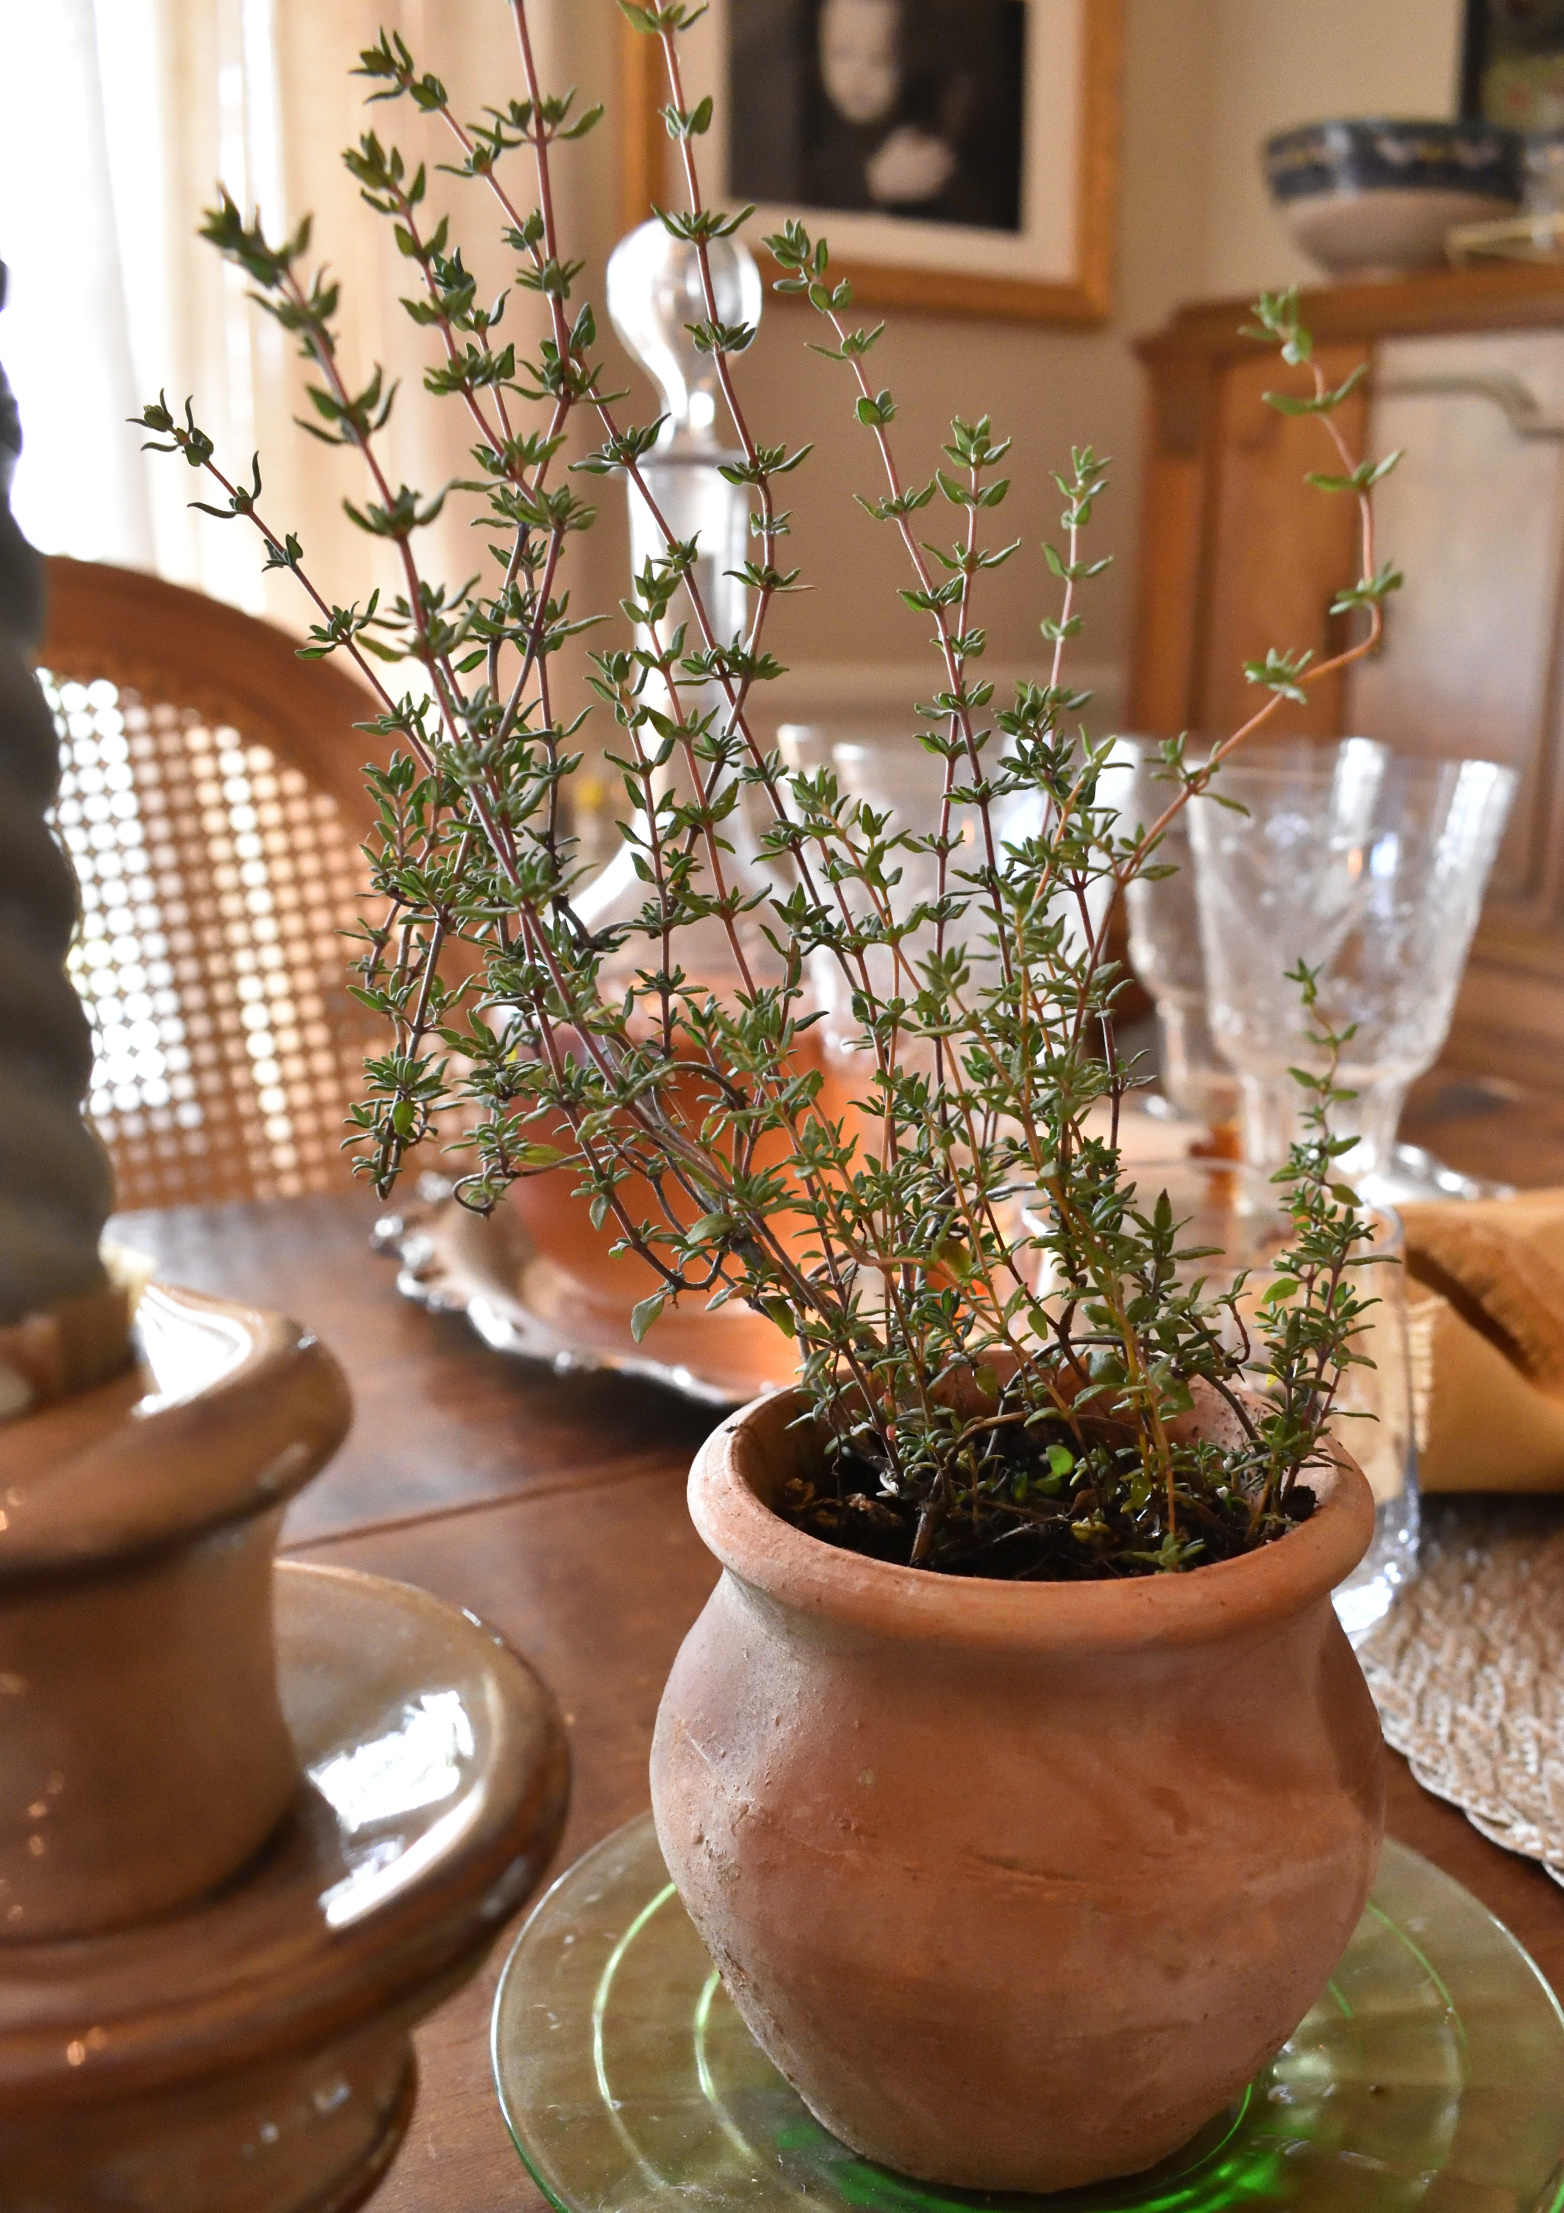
(742, 1459)
(231, 1410)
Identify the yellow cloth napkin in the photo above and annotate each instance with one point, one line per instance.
(1486, 1297)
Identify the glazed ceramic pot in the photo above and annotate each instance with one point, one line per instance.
(255, 1820)
(1018, 1884)
(146, 1754)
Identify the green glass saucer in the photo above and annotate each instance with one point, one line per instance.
(1430, 2074)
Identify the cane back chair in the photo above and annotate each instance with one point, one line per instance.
(212, 801)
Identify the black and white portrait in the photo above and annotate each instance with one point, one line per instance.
(907, 108)
(956, 155)
(1513, 65)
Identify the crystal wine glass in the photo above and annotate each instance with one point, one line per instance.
(1369, 866)
(884, 765)
(1165, 952)
(1232, 1217)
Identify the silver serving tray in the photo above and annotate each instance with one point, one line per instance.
(455, 1262)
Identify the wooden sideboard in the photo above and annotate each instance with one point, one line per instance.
(1238, 553)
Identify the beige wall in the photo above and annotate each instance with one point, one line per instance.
(850, 640)
(1205, 81)
(1276, 63)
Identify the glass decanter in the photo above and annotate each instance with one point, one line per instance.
(654, 293)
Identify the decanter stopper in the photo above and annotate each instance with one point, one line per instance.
(654, 294)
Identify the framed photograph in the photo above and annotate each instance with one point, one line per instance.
(1512, 63)
(961, 156)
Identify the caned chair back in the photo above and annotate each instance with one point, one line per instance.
(213, 804)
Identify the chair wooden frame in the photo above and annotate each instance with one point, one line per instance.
(148, 635)
(264, 1047)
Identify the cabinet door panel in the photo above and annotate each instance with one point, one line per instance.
(1474, 516)
(1280, 550)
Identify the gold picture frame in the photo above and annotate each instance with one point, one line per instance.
(1079, 295)
(1512, 64)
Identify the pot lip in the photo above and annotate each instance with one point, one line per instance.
(230, 1412)
(805, 1576)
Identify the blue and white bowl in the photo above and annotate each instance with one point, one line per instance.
(1376, 196)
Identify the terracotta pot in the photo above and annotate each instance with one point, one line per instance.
(1018, 1884)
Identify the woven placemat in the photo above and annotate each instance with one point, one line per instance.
(1467, 1669)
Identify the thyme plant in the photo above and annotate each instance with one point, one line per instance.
(969, 1422)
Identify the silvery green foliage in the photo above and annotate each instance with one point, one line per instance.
(972, 1425)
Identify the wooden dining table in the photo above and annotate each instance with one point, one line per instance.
(553, 1508)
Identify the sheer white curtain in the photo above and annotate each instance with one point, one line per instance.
(65, 337)
(133, 110)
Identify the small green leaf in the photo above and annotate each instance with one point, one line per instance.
(643, 1315)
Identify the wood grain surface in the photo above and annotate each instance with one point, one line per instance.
(554, 1509)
